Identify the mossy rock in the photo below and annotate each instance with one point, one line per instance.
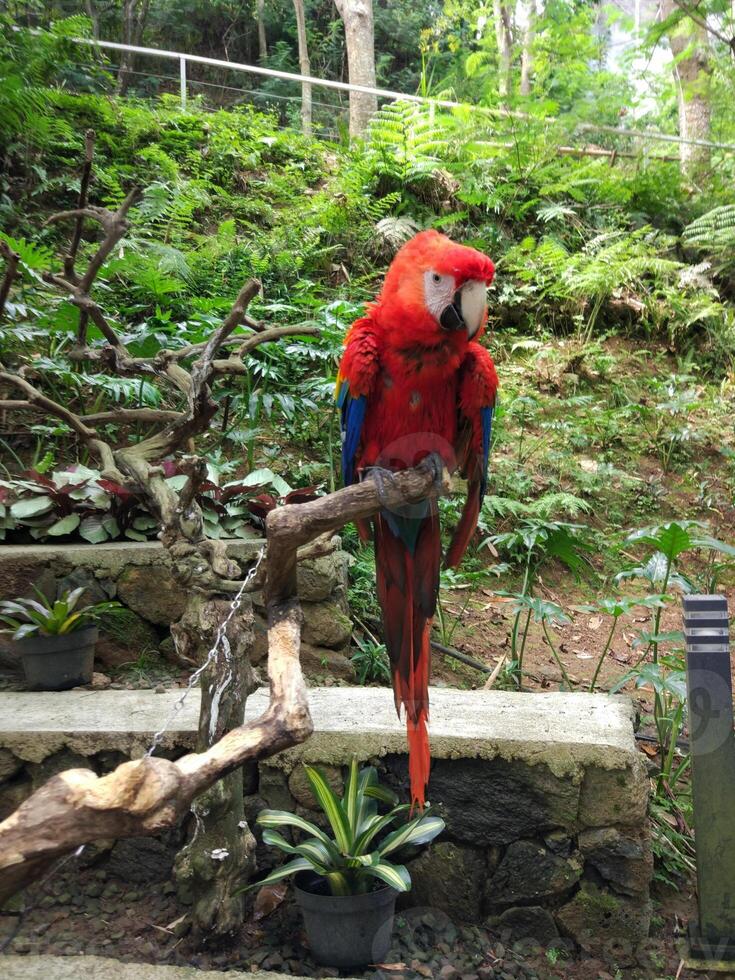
(325, 625)
(123, 637)
(152, 592)
(450, 877)
(595, 917)
(529, 871)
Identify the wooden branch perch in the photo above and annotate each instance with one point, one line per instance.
(144, 796)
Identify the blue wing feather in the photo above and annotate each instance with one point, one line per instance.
(486, 419)
(353, 417)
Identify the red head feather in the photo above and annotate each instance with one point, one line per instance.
(402, 305)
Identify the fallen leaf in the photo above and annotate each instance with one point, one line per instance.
(669, 818)
(268, 900)
(582, 655)
(179, 927)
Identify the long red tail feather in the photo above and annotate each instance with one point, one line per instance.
(407, 588)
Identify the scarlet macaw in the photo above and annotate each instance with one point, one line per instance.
(414, 381)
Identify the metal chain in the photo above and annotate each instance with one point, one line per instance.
(219, 640)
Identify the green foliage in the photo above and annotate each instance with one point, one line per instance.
(355, 856)
(664, 672)
(370, 661)
(714, 234)
(26, 617)
(80, 503)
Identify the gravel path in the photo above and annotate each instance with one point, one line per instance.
(90, 911)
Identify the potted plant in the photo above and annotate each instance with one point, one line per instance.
(345, 885)
(56, 640)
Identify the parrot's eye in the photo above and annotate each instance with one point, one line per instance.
(438, 292)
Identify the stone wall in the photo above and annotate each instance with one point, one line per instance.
(139, 576)
(545, 796)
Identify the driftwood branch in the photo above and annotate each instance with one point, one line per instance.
(144, 796)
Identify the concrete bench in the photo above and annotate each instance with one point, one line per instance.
(545, 795)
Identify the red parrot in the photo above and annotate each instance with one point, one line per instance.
(414, 382)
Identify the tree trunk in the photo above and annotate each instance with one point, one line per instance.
(134, 14)
(504, 37)
(693, 76)
(529, 34)
(220, 855)
(357, 16)
(262, 40)
(304, 66)
(94, 17)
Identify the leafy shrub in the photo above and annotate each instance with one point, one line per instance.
(356, 854)
(80, 503)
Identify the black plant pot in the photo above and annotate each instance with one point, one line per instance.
(56, 663)
(345, 930)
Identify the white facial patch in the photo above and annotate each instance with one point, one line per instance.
(474, 295)
(438, 293)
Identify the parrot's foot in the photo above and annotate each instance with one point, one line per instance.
(382, 479)
(438, 469)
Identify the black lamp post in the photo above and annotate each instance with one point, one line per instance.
(712, 742)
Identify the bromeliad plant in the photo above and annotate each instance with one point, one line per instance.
(362, 839)
(26, 617)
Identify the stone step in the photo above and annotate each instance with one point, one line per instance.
(103, 968)
(567, 732)
(544, 795)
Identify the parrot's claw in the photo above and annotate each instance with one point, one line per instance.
(381, 477)
(438, 470)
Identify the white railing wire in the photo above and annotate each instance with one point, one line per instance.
(329, 83)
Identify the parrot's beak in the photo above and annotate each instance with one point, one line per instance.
(467, 309)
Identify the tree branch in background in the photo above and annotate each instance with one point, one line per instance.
(115, 224)
(692, 12)
(11, 271)
(71, 257)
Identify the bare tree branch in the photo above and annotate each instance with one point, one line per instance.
(692, 12)
(234, 363)
(8, 404)
(11, 271)
(37, 399)
(70, 259)
(131, 416)
(115, 224)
